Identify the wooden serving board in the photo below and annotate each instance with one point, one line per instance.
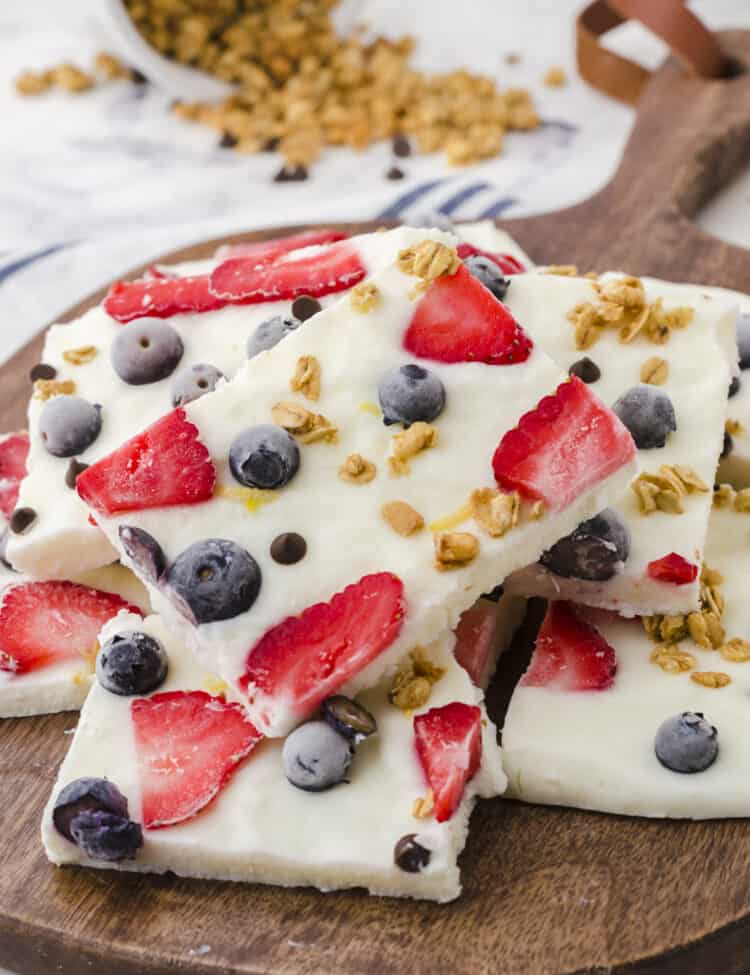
(547, 892)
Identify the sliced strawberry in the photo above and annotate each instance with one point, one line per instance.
(160, 297)
(163, 466)
(570, 654)
(14, 449)
(266, 251)
(307, 658)
(477, 640)
(458, 320)
(506, 262)
(44, 623)
(188, 745)
(241, 278)
(673, 568)
(449, 746)
(569, 442)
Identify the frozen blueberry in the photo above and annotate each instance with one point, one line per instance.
(410, 393)
(734, 386)
(86, 795)
(193, 382)
(410, 856)
(270, 333)
(743, 340)
(349, 718)
(105, 836)
(686, 743)
(316, 757)
(146, 351)
(486, 271)
(595, 550)
(648, 414)
(213, 580)
(143, 551)
(69, 425)
(264, 457)
(131, 663)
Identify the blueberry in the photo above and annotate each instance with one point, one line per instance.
(595, 550)
(146, 351)
(213, 580)
(270, 333)
(264, 457)
(86, 795)
(143, 551)
(192, 382)
(131, 663)
(743, 340)
(316, 757)
(486, 271)
(686, 743)
(410, 393)
(69, 425)
(734, 386)
(409, 855)
(105, 836)
(648, 414)
(349, 718)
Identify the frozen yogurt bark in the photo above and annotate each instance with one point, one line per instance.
(178, 779)
(603, 694)
(661, 356)
(358, 486)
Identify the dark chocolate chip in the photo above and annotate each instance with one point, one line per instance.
(305, 307)
(143, 551)
(734, 387)
(288, 548)
(42, 371)
(291, 174)
(586, 370)
(726, 450)
(21, 520)
(495, 594)
(228, 141)
(138, 77)
(75, 468)
(409, 855)
(395, 173)
(271, 145)
(401, 146)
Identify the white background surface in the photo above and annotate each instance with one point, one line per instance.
(114, 172)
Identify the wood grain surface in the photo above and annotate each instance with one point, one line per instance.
(546, 892)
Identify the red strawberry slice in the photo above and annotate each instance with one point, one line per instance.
(449, 746)
(570, 654)
(673, 568)
(14, 450)
(458, 320)
(506, 262)
(188, 745)
(266, 251)
(477, 640)
(44, 623)
(307, 658)
(160, 297)
(243, 279)
(163, 466)
(569, 442)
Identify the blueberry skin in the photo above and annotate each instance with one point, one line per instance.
(316, 757)
(410, 393)
(648, 414)
(486, 271)
(69, 425)
(349, 718)
(105, 836)
(143, 551)
(86, 795)
(213, 580)
(595, 550)
(131, 663)
(193, 382)
(146, 352)
(686, 743)
(743, 340)
(270, 333)
(264, 457)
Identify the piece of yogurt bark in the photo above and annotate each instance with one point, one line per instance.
(207, 332)
(212, 800)
(661, 355)
(581, 729)
(344, 546)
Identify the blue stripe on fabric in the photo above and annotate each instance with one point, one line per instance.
(455, 201)
(406, 199)
(10, 269)
(500, 206)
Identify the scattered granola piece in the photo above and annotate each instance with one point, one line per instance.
(733, 427)
(724, 496)
(671, 660)
(588, 328)
(111, 67)
(420, 436)
(736, 650)
(33, 82)
(357, 470)
(429, 260)
(698, 630)
(44, 389)
(402, 518)
(72, 78)
(741, 500)
(562, 270)
(711, 678)
(494, 510)
(80, 356)
(455, 549)
(555, 77)
(423, 808)
(364, 296)
(304, 425)
(655, 371)
(306, 378)
(412, 683)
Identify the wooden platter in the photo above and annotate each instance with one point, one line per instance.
(547, 892)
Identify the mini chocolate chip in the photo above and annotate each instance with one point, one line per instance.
(228, 141)
(395, 173)
(288, 548)
(305, 307)
(726, 450)
(272, 144)
(409, 855)
(401, 146)
(291, 174)
(586, 370)
(138, 77)
(734, 387)
(21, 520)
(42, 371)
(75, 468)
(494, 595)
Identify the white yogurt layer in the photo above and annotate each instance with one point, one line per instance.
(261, 828)
(595, 749)
(700, 359)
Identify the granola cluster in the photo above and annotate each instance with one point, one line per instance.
(666, 490)
(75, 80)
(412, 682)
